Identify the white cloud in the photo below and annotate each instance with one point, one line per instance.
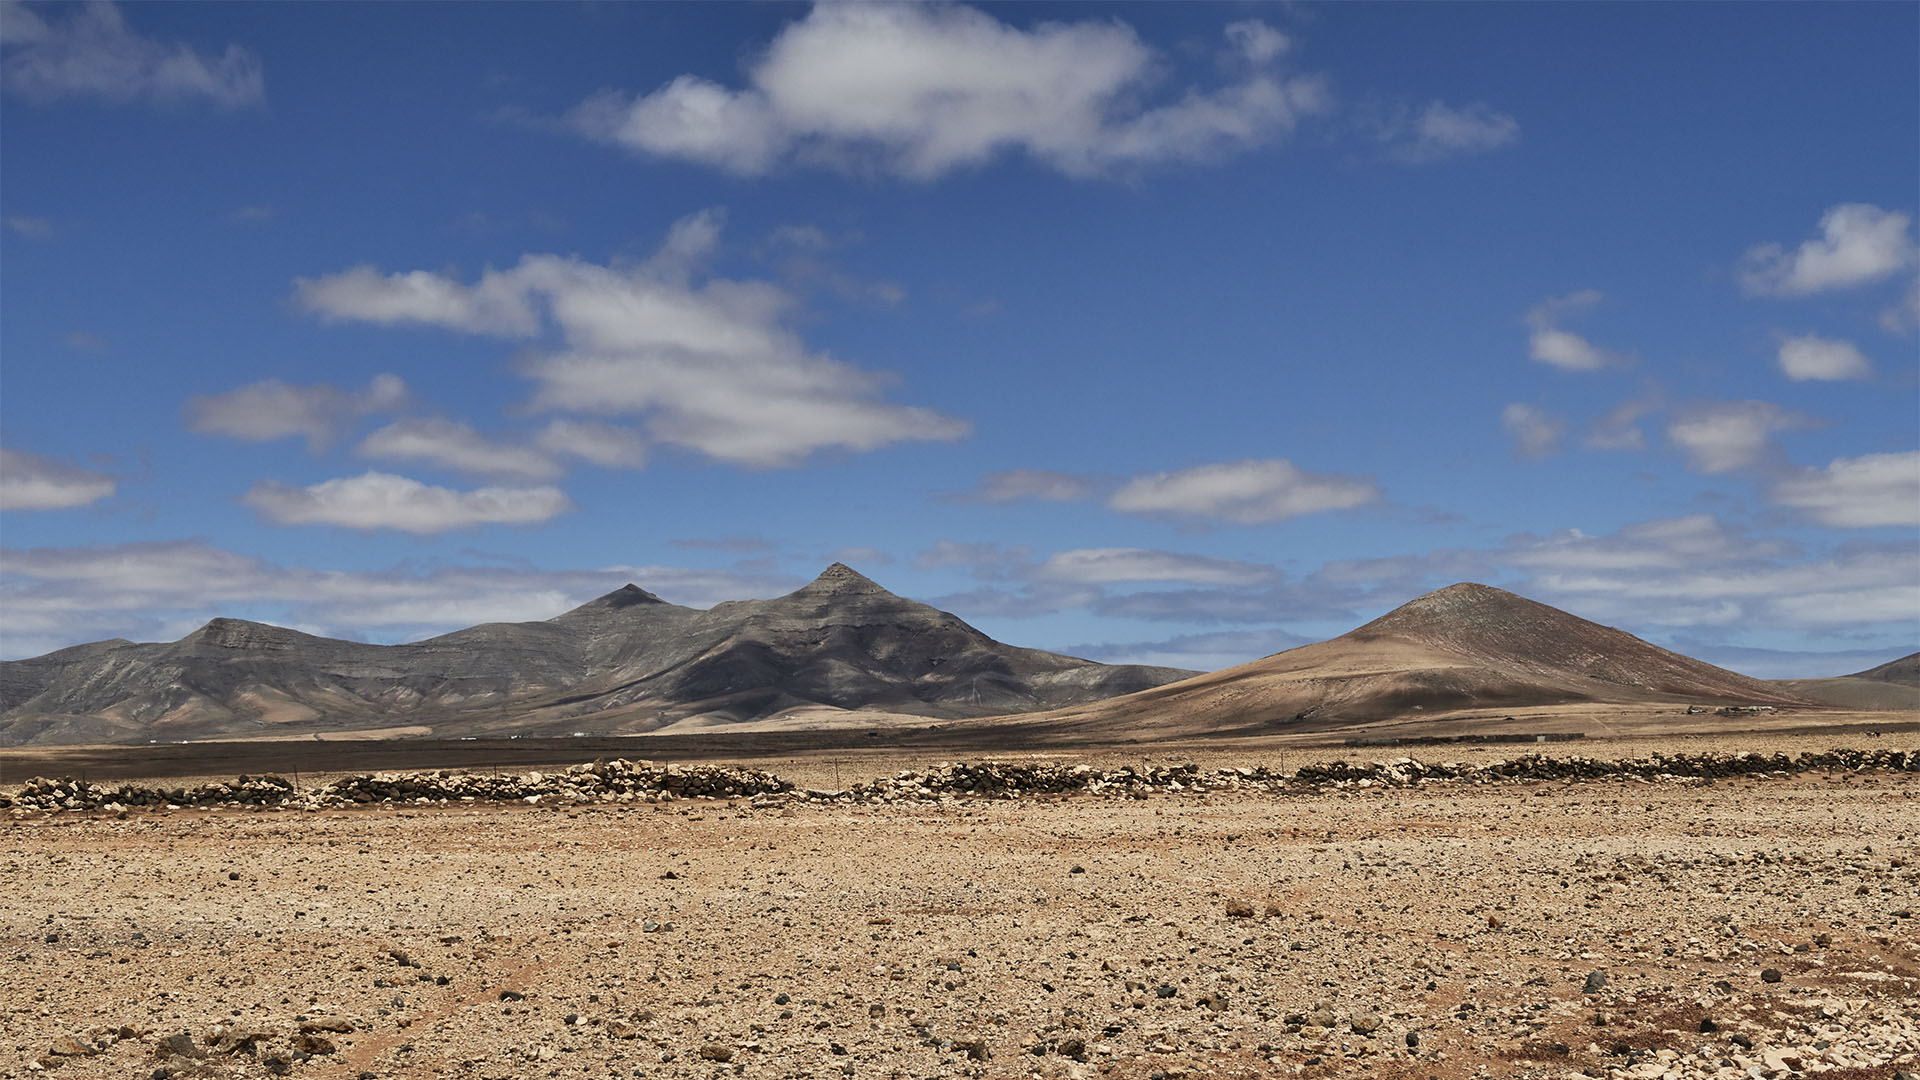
(30, 226)
(711, 366)
(56, 597)
(1660, 544)
(80, 339)
(860, 556)
(31, 482)
(1536, 432)
(457, 446)
(271, 410)
(496, 305)
(1858, 244)
(739, 545)
(1863, 587)
(1619, 429)
(1441, 131)
(1809, 357)
(1559, 348)
(1857, 493)
(376, 500)
(1256, 42)
(989, 562)
(252, 214)
(1902, 318)
(921, 90)
(92, 53)
(1242, 492)
(1044, 485)
(607, 445)
(1724, 436)
(1109, 566)
(1699, 571)
(1199, 652)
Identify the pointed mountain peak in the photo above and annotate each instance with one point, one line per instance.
(841, 578)
(626, 596)
(228, 633)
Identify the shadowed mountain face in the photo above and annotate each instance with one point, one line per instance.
(1464, 646)
(626, 662)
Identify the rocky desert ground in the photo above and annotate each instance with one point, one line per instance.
(1399, 920)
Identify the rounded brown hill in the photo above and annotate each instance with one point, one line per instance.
(1464, 646)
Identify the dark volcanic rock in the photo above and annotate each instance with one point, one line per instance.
(627, 661)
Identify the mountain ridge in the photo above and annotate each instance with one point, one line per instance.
(624, 662)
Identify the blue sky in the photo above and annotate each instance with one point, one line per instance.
(1166, 333)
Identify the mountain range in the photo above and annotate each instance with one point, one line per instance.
(844, 650)
(627, 662)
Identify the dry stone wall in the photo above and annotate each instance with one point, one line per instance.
(620, 780)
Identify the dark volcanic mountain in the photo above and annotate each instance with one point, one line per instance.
(1464, 646)
(628, 662)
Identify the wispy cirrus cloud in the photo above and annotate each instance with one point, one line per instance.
(1200, 652)
(88, 51)
(1438, 130)
(271, 410)
(1248, 492)
(1038, 485)
(26, 225)
(1563, 349)
(61, 596)
(921, 90)
(1536, 432)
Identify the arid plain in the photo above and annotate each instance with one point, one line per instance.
(1621, 925)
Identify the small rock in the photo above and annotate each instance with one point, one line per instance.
(1239, 909)
(1596, 982)
(716, 1052)
(1771, 975)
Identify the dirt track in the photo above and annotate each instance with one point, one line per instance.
(956, 939)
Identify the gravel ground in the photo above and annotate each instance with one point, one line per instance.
(1618, 928)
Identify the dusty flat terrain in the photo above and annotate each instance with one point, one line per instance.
(707, 938)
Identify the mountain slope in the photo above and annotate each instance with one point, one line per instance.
(625, 662)
(1464, 646)
(1893, 685)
